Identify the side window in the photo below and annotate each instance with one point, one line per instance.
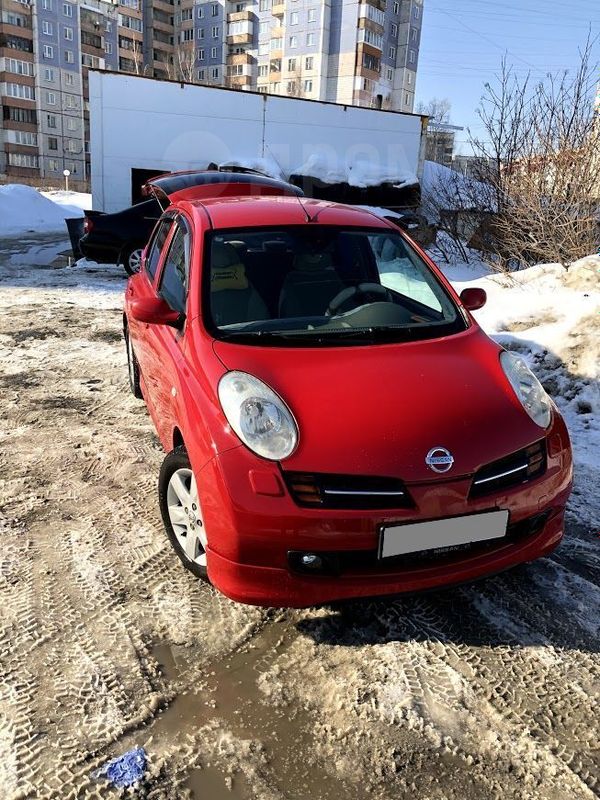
(174, 280)
(157, 245)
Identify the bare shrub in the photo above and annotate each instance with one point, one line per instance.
(540, 156)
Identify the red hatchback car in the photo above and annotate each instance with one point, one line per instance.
(337, 424)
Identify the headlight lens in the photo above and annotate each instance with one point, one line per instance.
(528, 389)
(259, 416)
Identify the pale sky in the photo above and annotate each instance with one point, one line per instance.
(463, 42)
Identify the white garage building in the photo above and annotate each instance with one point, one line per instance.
(141, 127)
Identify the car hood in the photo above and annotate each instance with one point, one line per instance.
(378, 410)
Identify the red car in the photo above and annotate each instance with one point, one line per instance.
(336, 422)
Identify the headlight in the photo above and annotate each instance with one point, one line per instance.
(528, 389)
(259, 416)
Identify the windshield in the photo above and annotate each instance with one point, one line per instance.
(315, 284)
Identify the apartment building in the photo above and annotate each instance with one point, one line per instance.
(357, 53)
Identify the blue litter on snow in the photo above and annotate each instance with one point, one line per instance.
(125, 770)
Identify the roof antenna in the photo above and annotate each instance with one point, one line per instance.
(308, 216)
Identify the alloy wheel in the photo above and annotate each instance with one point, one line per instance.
(185, 515)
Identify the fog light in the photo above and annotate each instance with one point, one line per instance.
(311, 561)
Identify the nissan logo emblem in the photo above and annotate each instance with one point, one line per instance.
(439, 459)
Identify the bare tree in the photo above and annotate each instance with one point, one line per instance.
(540, 158)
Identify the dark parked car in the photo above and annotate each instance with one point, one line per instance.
(119, 238)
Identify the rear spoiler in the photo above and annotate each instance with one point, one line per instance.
(201, 185)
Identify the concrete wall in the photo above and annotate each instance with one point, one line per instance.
(146, 124)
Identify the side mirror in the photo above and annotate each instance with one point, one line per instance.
(473, 299)
(155, 311)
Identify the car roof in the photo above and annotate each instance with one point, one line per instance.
(266, 211)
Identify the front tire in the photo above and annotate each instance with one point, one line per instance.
(133, 368)
(181, 512)
(131, 258)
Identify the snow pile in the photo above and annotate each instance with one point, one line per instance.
(24, 209)
(360, 173)
(551, 317)
(74, 202)
(443, 189)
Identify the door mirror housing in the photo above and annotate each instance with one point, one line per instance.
(155, 311)
(473, 299)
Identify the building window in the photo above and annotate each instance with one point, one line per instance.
(201, 54)
(291, 65)
(186, 14)
(53, 165)
(263, 48)
(276, 44)
(413, 35)
(133, 23)
(51, 120)
(200, 12)
(67, 9)
(409, 78)
(263, 70)
(49, 75)
(51, 98)
(215, 9)
(371, 63)
(48, 51)
(215, 72)
(18, 90)
(52, 143)
(201, 74)
(396, 8)
(72, 124)
(392, 53)
(416, 12)
(215, 32)
(312, 14)
(262, 89)
(23, 160)
(309, 62)
(406, 99)
(69, 56)
(394, 30)
(293, 41)
(291, 87)
(70, 101)
(294, 16)
(263, 29)
(390, 73)
(23, 138)
(310, 39)
(200, 33)
(47, 5)
(264, 5)
(187, 36)
(108, 48)
(68, 33)
(308, 86)
(108, 26)
(69, 79)
(411, 57)
(18, 67)
(47, 28)
(213, 52)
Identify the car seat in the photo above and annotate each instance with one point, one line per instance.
(232, 298)
(309, 288)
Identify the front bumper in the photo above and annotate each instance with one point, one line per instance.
(253, 523)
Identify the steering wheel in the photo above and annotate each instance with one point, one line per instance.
(363, 290)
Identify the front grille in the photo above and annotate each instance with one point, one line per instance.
(513, 470)
(322, 490)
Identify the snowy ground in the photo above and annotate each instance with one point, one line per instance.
(486, 691)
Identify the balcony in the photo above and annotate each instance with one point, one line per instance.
(239, 81)
(241, 16)
(278, 9)
(234, 59)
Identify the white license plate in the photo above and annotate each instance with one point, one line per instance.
(398, 540)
